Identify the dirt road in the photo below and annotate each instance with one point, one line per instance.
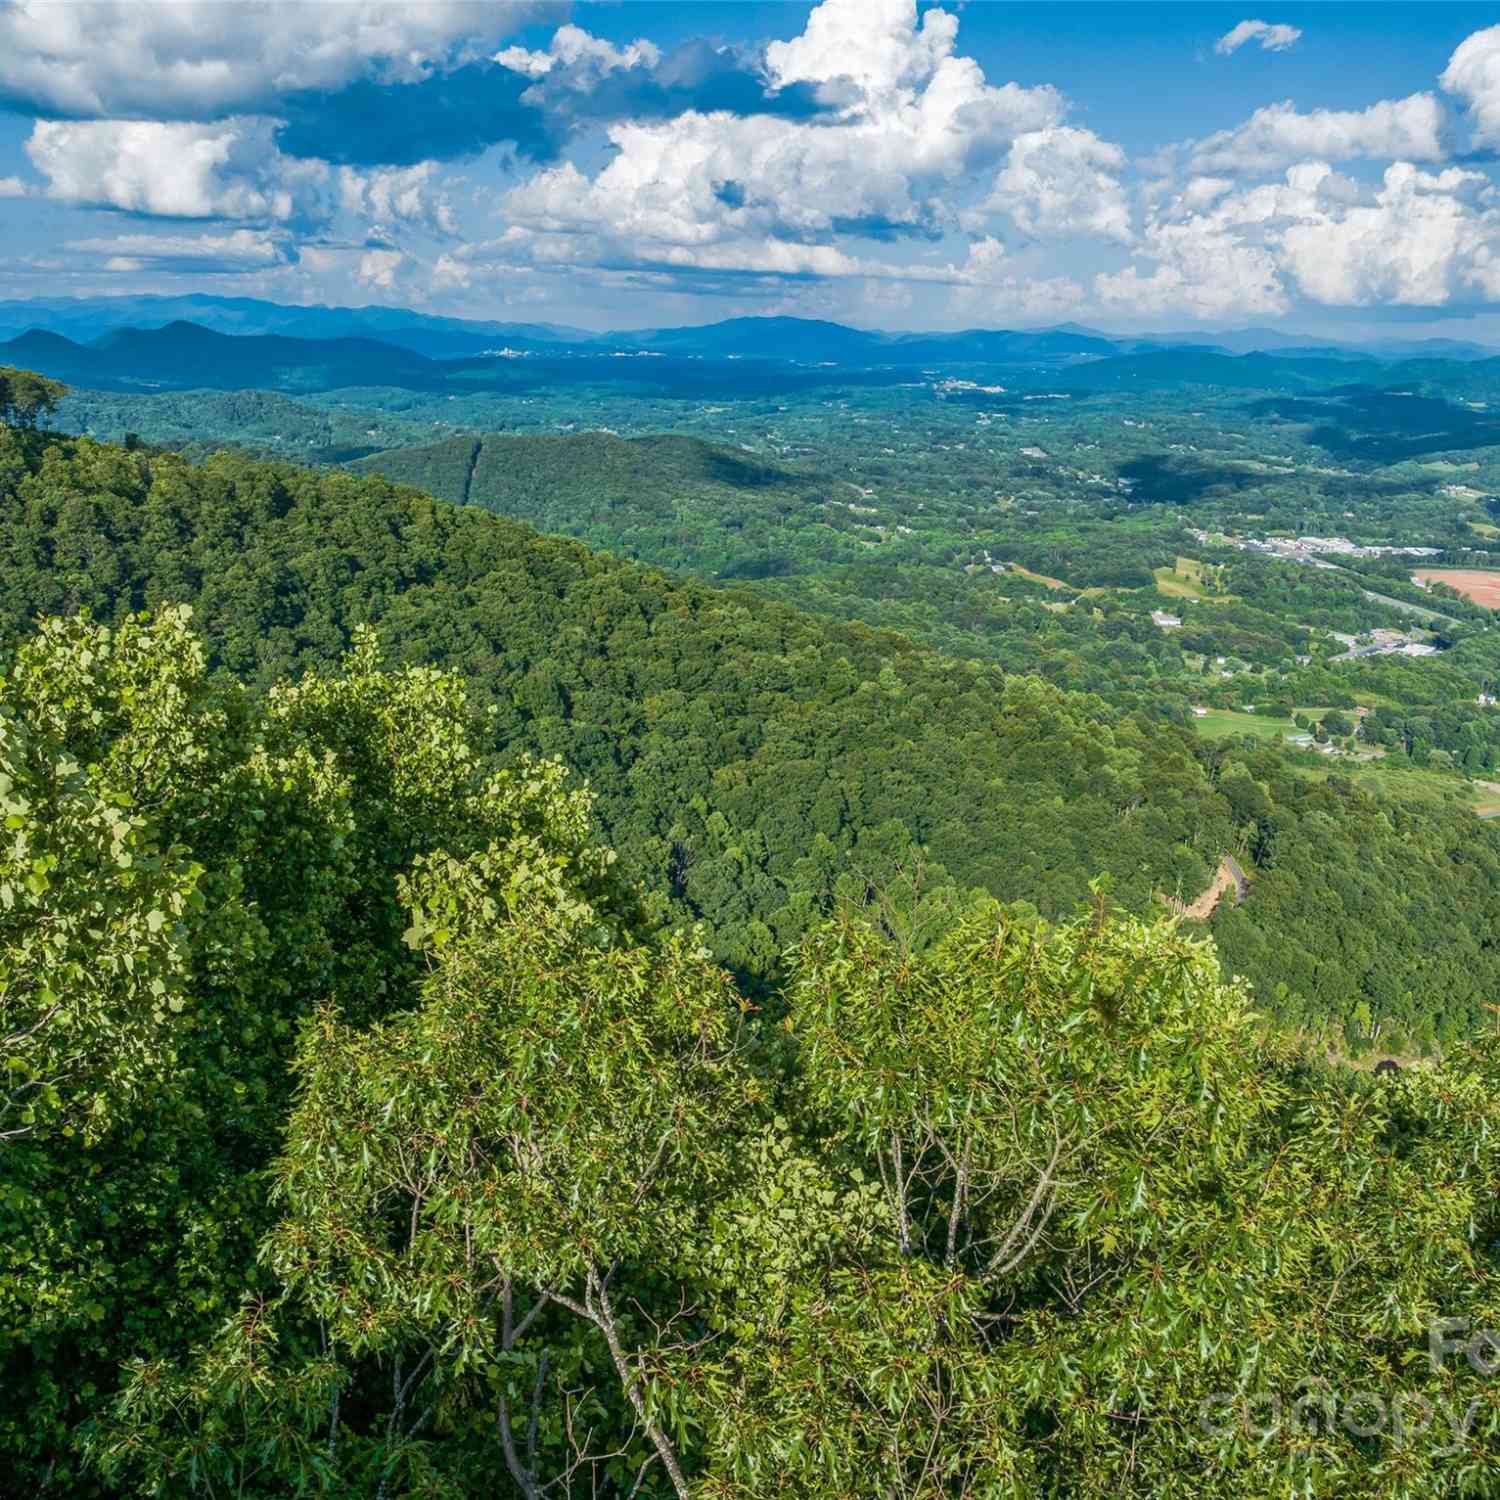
(1229, 877)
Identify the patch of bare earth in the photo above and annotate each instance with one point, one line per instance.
(1473, 583)
(1228, 877)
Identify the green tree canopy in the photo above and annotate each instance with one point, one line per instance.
(26, 397)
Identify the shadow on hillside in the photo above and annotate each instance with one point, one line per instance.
(1381, 426)
(1167, 479)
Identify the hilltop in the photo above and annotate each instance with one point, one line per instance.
(358, 1114)
(666, 499)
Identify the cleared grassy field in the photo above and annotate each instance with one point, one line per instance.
(1262, 726)
(1186, 579)
(1417, 611)
(1168, 583)
(1221, 721)
(1419, 783)
(1051, 583)
(1379, 773)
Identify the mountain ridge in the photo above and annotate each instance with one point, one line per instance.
(439, 335)
(183, 355)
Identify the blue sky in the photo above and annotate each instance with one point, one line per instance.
(1326, 167)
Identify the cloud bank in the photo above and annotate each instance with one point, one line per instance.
(450, 152)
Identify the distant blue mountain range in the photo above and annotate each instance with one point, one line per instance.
(84, 319)
(224, 343)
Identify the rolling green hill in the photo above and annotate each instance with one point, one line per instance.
(668, 500)
(760, 765)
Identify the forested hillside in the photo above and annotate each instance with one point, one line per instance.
(674, 501)
(362, 1135)
(757, 768)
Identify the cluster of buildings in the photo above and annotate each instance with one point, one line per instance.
(949, 386)
(1310, 549)
(1383, 643)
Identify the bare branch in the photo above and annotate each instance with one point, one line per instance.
(960, 1192)
(902, 1182)
(604, 1319)
(640, 1477)
(524, 1476)
(1024, 1234)
(536, 1410)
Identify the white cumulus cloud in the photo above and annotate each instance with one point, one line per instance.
(1063, 181)
(1270, 38)
(1201, 192)
(1279, 134)
(876, 46)
(229, 169)
(1201, 270)
(379, 268)
(1417, 239)
(412, 195)
(225, 169)
(202, 59)
(990, 285)
(583, 55)
(1473, 76)
(912, 127)
(1423, 240)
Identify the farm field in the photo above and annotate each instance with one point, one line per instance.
(1376, 770)
(1231, 721)
(1227, 721)
(1174, 586)
(1482, 585)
